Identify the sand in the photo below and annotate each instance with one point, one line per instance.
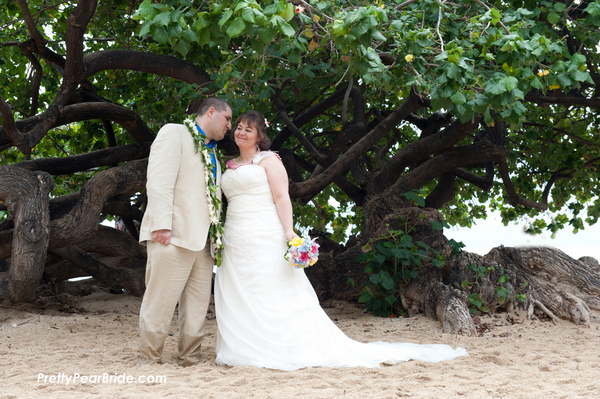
(44, 347)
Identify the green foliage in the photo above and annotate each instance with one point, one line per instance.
(459, 77)
(503, 289)
(330, 211)
(467, 59)
(456, 246)
(416, 196)
(156, 99)
(391, 259)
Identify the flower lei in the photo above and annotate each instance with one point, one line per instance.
(216, 227)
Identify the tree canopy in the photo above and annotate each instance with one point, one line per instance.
(531, 66)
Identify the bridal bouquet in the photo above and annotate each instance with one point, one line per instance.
(302, 252)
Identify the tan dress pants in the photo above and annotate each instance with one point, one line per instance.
(175, 274)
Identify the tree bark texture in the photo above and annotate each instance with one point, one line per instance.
(131, 279)
(112, 247)
(568, 287)
(84, 217)
(26, 195)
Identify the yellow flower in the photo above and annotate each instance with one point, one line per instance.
(546, 72)
(313, 261)
(554, 87)
(297, 241)
(540, 73)
(409, 58)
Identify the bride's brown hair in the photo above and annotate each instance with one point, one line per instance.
(256, 120)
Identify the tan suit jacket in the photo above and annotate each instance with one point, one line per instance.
(176, 190)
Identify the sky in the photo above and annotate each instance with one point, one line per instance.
(491, 233)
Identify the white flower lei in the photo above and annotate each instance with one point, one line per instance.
(216, 227)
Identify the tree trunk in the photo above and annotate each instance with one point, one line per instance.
(26, 196)
(81, 222)
(119, 277)
(112, 247)
(26, 239)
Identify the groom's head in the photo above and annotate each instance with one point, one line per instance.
(214, 118)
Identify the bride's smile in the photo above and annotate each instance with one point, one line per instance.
(246, 136)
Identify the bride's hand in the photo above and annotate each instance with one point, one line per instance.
(290, 236)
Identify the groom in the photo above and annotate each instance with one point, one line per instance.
(175, 226)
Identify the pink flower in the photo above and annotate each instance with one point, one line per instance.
(299, 9)
(304, 257)
(314, 249)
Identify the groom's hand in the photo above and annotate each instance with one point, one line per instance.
(162, 236)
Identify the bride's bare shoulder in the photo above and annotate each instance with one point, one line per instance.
(272, 155)
(269, 158)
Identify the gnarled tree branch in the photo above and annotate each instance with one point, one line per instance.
(482, 151)
(316, 183)
(564, 99)
(513, 198)
(31, 26)
(162, 65)
(319, 109)
(312, 150)
(37, 79)
(74, 70)
(420, 149)
(11, 130)
(94, 159)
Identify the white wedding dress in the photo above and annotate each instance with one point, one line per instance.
(268, 314)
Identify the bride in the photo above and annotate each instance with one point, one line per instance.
(268, 314)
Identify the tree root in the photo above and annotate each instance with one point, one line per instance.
(562, 287)
(452, 310)
(535, 302)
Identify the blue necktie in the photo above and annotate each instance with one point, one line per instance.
(212, 144)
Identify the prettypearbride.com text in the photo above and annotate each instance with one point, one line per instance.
(105, 378)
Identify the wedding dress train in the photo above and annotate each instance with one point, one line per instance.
(268, 314)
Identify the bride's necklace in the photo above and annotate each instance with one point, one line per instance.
(245, 163)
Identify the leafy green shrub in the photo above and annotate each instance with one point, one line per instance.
(504, 291)
(390, 259)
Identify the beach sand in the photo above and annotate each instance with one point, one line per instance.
(97, 338)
